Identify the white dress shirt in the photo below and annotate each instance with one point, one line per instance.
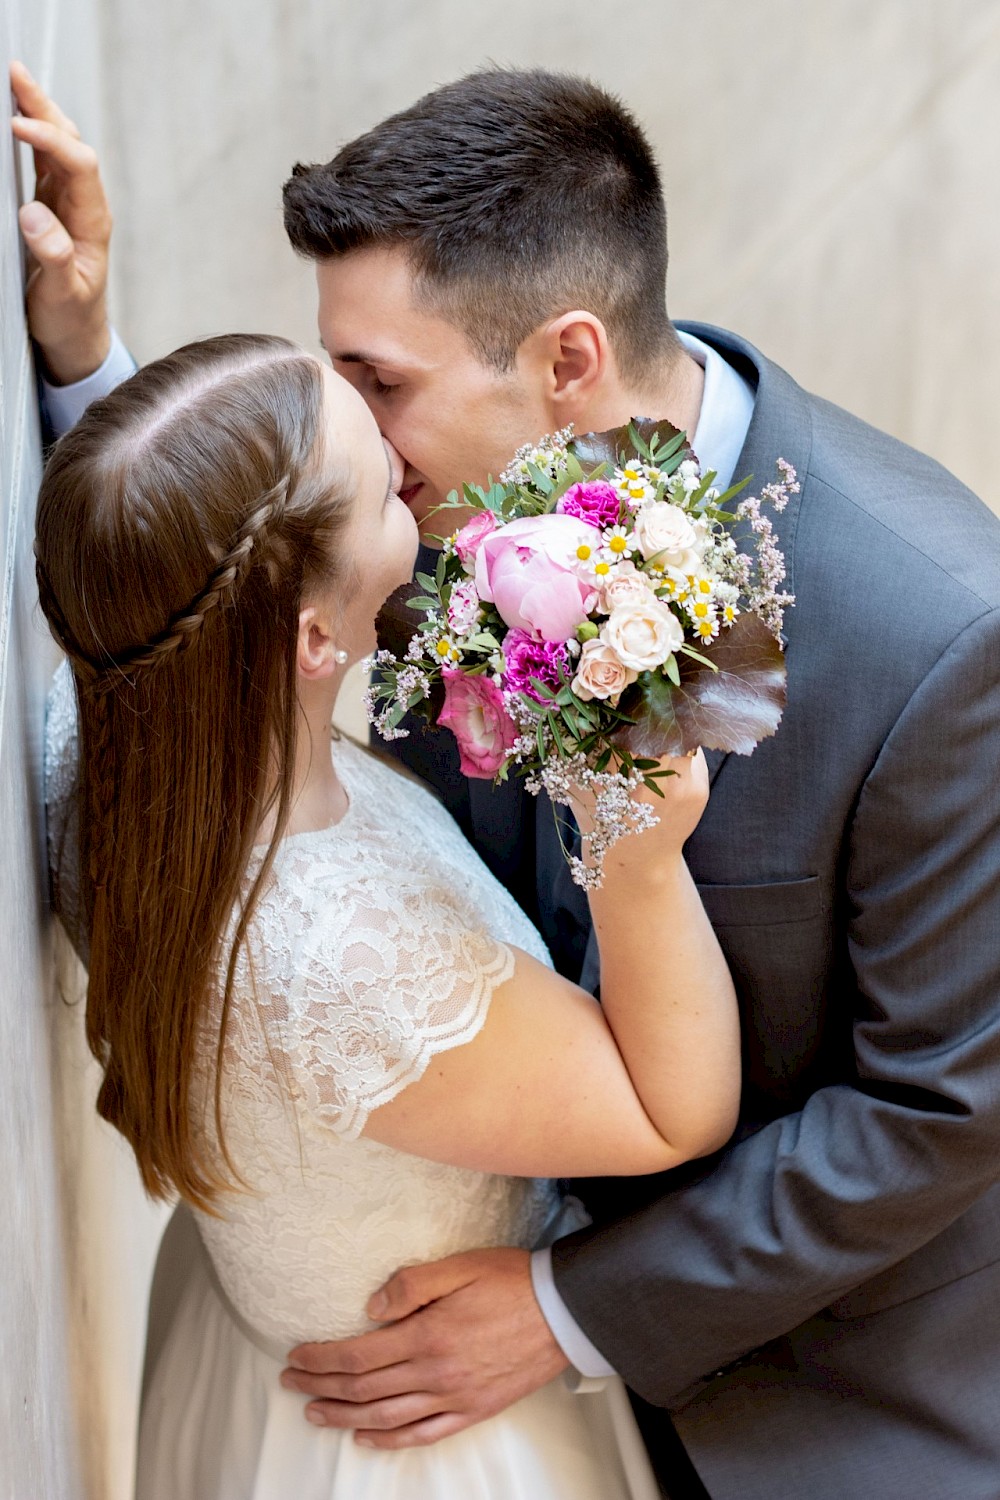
(726, 408)
(66, 404)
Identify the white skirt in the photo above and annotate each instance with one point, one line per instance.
(216, 1425)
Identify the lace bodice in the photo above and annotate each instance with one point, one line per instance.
(377, 943)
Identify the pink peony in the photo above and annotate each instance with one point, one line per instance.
(527, 658)
(531, 571)
(474, 711)
(596, 503)
(469, 540)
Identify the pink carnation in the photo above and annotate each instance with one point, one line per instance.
(475, 713)
(471, 537)
(527, 658)
(597, 503)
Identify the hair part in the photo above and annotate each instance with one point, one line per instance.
(178, 525)
(517, 196)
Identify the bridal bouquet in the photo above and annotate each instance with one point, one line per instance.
(594, 614)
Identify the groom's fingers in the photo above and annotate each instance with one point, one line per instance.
(417, 1434)
(460, 1358)
(32, 100)
(47, 239)
(415, 1286)
(369, 1351)
(381, 1416)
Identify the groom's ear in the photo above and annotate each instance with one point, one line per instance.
(577, 357)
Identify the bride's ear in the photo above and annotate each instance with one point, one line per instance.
(317, 655)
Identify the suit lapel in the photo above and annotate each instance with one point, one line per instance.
(781, 427)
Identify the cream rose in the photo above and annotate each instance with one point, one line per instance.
(664, 529)
(626, 585)
(643, 635)
(600, 673)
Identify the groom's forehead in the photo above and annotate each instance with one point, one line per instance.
(367, 314)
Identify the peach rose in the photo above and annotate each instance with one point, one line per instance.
(599, 672)
(626, 585)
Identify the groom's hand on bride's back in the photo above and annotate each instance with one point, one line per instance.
(67, 230)
(463, 1339)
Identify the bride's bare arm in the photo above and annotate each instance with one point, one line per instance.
(554, 1085)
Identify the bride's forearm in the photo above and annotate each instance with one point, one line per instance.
(669, 1000)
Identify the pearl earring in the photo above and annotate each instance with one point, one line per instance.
(340, 657)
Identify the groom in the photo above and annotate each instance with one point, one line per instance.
(816, 1310)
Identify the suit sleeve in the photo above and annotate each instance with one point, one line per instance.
(820, 1201)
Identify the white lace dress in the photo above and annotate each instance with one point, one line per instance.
(377, 943)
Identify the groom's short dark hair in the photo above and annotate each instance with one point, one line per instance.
(517, 196)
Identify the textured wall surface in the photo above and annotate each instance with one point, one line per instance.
(76, 1234)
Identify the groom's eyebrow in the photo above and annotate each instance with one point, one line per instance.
(365, 357)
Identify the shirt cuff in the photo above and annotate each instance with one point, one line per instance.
(586, 1359)
(66, 404)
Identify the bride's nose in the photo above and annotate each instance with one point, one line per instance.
(398, 465)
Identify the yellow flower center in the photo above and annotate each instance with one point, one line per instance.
(636, 491)
(583, 552)
(618, 544)
(705, 629)
(704, 586)
(602, 568)
(701, 610)
(631, 474)
(443, 647)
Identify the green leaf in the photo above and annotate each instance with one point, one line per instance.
(672, 670)
(423, 601)
(441, 570)
(697, 656)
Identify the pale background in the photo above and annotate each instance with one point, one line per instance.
(831, 172)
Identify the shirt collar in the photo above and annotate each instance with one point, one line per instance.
(726, 410)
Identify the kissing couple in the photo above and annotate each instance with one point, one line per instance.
(347, 1016)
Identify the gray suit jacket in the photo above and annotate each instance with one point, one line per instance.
(815, 1305)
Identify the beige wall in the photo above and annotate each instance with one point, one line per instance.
(77, 1236)
(831, 173)
(830, 170)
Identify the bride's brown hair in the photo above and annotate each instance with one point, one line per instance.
(178, 526)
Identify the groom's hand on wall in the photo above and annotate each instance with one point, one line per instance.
(464, 1338)
(67, 229)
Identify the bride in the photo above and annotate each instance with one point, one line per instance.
(321, 1020)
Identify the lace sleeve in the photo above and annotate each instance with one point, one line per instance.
(382, 987)
(62, 756)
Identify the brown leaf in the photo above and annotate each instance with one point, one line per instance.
(593, 448)
(731, 709)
